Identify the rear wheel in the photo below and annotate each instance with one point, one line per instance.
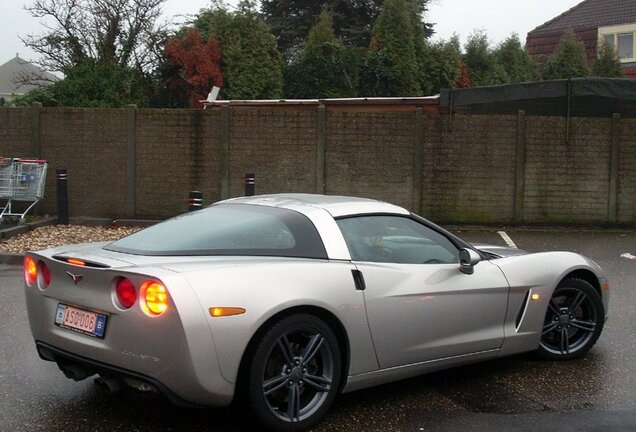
(573, 322)
(294, 373)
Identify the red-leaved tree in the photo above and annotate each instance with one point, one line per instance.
(199, 62)
(464, 78)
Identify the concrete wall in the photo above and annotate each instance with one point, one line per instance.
(515, 169)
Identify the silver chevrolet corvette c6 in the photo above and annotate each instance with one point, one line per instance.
(289, 299)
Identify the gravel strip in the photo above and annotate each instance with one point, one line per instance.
(58, 235)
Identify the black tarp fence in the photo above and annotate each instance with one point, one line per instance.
(577, 97)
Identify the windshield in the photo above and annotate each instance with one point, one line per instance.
(228, 229)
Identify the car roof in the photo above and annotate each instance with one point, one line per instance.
(337, 206)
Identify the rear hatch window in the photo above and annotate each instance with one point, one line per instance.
(228, 229)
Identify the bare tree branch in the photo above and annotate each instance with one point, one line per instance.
(120, 32)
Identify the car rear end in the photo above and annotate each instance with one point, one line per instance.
(91, 311)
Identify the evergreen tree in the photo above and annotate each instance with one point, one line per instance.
(422, 32)
(569, 60)
(325, 69)
(250, 62)
(442, 65)
(171, 89)
(392, 67)
(607, 64)
(291, 20)
(483, 68)
(514, 59)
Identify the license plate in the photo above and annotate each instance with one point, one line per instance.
(90, 323)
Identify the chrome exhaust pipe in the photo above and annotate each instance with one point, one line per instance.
(108, 385)
(76, 373)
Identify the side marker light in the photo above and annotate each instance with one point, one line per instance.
(217, 312)
(606, 286)
(535, 297)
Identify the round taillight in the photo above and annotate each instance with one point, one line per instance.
(45, 274)
(126, 293)
(155, 298)
(30, 270)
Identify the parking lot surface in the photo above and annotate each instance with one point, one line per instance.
(521, 393)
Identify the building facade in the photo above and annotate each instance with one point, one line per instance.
(18, 76)
(594, 22)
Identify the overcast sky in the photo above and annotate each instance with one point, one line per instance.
(499, 18)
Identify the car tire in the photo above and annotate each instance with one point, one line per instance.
(294, 373)
(573, 322)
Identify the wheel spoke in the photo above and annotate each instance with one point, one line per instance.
(565, 342)
(285, 348)
(580, 297)
(317, 382)
(550, 327)
(274, 384)
(554, 307)
(588, 326)
(293, 403)
(312, 348)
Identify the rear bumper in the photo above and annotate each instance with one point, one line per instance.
(92, 367)
(174, 353)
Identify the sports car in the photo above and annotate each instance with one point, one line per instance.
(283, 301)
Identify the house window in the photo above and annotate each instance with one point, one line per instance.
(625, 45)
(622, 39)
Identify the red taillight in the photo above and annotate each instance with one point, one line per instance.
(46, 275)
(30, 270)
(126, 293)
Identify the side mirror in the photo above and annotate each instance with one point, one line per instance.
(468, 259)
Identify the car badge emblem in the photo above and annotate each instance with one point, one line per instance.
(76, 277)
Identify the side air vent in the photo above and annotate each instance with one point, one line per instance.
(358, 279)
(79, 262)
(522, 310)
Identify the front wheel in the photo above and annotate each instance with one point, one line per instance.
(294, 373)
(573, 322)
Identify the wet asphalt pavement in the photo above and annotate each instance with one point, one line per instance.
(595, 393)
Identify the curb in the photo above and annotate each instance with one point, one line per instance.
(92, 221)
(11, 258)
(6, 233)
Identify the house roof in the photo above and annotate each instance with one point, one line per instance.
(589, 14)
(14, 72)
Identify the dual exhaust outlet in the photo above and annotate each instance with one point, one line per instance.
(109, 385)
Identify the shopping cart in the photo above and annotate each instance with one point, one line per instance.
(21, 180)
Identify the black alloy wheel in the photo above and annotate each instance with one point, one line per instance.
(573, 322)
(295, 373)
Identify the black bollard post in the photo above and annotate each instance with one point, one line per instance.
(195, 201)
(62, 196)
(250, 182)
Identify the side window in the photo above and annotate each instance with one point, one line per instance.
(395, 239)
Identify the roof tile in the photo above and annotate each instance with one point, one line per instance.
(14, 72)
(590, 14)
